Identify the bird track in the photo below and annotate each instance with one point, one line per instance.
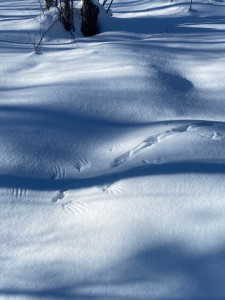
(155, 139)
(113, 148)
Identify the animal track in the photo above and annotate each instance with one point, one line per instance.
(59, 196)
(152, 140)
(58, 173)
(69, 206)
(114, 189)
(19, 192)
(75, 207)
(81, 164)
(217, 136)
(114, 147)
(155, 161)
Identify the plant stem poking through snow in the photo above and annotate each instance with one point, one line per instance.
(109, 6)
(104, 2)
(38, 46)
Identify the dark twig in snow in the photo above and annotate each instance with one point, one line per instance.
(37, 47)
(109, 6)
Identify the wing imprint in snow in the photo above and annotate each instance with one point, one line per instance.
(19, 192)
(81, 164)
(114, 189)
(58, 173)
(74, 207)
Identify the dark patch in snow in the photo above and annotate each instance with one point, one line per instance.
(59, 196)
(174, 81)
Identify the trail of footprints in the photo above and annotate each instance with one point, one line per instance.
(152, 140)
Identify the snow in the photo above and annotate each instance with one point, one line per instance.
(112, 153)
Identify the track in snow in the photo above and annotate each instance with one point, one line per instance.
(58, 173)
(60, 195)
(75, 207)
(152, 140)
(19, 192)
(114, 189)
(81, 164)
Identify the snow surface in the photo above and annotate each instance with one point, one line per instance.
(112, 177)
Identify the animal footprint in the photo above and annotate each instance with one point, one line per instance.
(155, 161)
(217, 136)
(146, 162)
(81, 164)
(192, 127)
(58, 173)
(114, 147)
(74, 207)
(19, 192)
(114, 189)
(59, 196)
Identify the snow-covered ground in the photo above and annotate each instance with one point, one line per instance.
(112, 161)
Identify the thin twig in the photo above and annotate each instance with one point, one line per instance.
(41, 6)
(109, 6)
(72, 19)
(37, 47)
(73, 37)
